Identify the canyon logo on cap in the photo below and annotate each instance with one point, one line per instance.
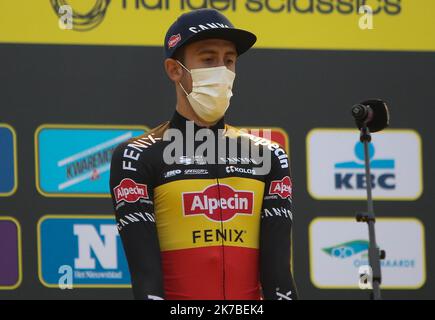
(218, 202)
(130, 191)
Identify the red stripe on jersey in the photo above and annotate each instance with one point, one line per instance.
(198, 273)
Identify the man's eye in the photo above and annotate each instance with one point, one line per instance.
(230, 62)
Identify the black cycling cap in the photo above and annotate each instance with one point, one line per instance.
(205, 24)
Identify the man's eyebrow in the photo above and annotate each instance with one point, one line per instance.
(206, 50)
(232, 52)
(211, 51)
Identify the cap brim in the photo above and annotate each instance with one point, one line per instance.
(242, 39)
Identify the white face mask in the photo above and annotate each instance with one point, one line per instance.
(211, 91)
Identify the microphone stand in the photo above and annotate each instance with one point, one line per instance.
(375, 255)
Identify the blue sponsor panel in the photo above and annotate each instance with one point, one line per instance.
(8, 164)
(336, 170)
(76, 161)
(89, 246)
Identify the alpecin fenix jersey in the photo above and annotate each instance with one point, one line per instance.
(205, 226)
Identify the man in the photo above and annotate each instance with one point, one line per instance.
(207, 226)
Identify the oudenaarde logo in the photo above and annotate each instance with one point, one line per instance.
(75, 160)
(218, 202)
(89, 245)
(347, 249)
(339, 247)
(130, 191)
(335, 164)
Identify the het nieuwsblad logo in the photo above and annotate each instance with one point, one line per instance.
(77, 251)
(80, 21)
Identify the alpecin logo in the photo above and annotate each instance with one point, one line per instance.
(218, 202)
(130, 191)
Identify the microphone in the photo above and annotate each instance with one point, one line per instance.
(372, 114)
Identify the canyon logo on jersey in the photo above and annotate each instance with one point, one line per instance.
(218, 202)
(130, 191)
(282, 187)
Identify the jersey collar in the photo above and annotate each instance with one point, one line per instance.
(179, 122)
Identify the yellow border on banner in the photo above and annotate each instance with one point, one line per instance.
(20, 252)
(316, 197)
(75, 126)
(70, 216)
(14, 142)
(329, 218)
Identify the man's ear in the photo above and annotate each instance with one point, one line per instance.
(173, 70)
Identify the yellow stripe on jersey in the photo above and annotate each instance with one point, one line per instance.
(188, 213)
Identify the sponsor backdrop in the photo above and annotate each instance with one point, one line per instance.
(68, 97)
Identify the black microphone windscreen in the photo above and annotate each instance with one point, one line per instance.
(381, 116)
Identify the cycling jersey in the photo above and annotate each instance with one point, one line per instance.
(201, 229)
